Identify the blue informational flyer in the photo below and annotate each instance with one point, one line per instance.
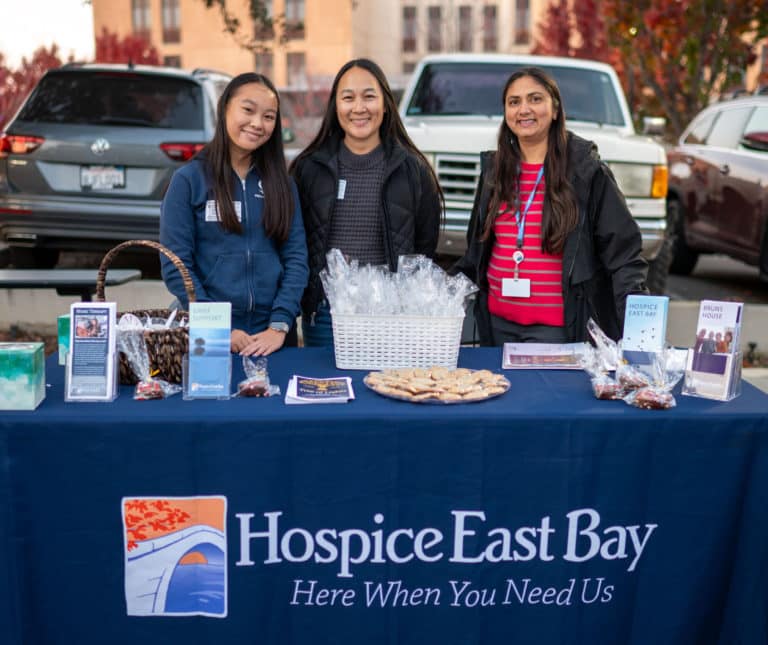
(645, 328)
(209, 372)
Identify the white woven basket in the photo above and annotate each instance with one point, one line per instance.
(381, 342)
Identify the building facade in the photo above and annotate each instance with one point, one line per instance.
(310, 39)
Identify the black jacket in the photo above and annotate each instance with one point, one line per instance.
(601, 258)
(410, 206)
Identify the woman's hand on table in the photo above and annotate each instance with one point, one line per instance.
(263, 343)
(238, 340)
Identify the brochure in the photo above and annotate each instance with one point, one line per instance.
(548, 356)
(306, 389)
(713, 369)
(92, 359)
(209, 369)
(645, 328)
(717, 333)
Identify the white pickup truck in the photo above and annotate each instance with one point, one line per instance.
(452, 109)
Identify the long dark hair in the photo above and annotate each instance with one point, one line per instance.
(268, 159)
(391, 130)
(560, 213)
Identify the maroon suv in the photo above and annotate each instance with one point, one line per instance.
(718, 185)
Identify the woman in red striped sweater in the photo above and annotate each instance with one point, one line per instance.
(551, 242)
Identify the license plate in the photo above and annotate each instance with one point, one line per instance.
(102, 177)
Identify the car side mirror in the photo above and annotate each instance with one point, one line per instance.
(755, 141)
(654, 125)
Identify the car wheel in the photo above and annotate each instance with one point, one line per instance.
(684, 258)
(24, 258)
(658, 268)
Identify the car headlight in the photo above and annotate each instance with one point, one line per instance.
(641, 180)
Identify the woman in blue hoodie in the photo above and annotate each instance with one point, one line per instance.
(232, 215)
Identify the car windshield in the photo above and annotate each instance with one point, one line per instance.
(116, 98)
(475, 89)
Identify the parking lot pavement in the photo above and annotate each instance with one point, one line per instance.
(757, 376)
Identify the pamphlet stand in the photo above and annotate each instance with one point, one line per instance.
(713, 376)
(208, 377)
(98, 393)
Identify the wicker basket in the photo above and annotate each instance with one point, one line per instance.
(381, 342)
(165, 347)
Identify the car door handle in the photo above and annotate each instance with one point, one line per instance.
(725, 169)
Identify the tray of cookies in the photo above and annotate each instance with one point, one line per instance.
(437, 385)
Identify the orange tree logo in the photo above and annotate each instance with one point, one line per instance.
(175, 555)
(148, 518)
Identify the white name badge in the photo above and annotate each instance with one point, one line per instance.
(520, 288)
(212, 213)
(342, 189)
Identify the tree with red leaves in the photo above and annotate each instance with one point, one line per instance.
(15, 85)
(673, 56)
(110, 48)
(574, 29)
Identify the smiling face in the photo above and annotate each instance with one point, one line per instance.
(250, 117)
(529, 111)
(360, 109)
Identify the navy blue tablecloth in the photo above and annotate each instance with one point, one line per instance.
(541, 516)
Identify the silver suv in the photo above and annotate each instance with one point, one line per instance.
(86, 160)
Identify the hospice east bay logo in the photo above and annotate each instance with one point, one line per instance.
(176, 557)
(175, 551)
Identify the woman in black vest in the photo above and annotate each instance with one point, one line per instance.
(364, 187)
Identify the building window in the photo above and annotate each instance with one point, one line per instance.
(409, 29)
(264, 64)
(294, 19)
(296, 65)
(141, 18)
(408, 67)
(490, 39)
(171, 21)
(465, 28)
(172, 61)
(522, 22)
(434, 29)
(264, 28)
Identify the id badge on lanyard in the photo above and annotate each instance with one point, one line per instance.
(517, 287)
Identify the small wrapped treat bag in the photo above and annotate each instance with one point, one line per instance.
(130, 342)
(256, 382)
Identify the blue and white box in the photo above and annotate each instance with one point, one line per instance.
(22, 375)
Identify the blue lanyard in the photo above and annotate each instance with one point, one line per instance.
(520, 221)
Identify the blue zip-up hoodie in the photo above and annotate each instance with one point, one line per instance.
(263, 279)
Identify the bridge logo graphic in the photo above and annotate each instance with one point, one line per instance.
(175, 556)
